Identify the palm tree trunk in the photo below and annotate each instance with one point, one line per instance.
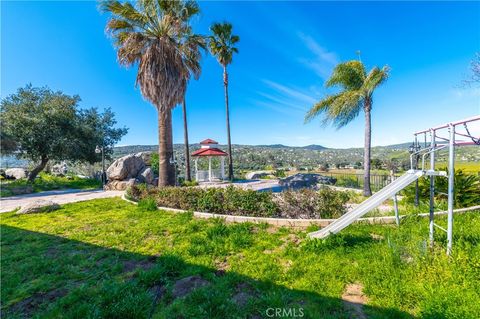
(230, 158)
(368, 140)
(166, 173)
(38, 169)
(188, 176)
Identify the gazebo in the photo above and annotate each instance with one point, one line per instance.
(208, 149)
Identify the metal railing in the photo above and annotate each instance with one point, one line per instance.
(203, 175)
(356, 180)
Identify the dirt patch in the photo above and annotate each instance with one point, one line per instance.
(29, 306)
(222, 265)
(376, 236)
(286, 264)
(51, 252)
(158, 291)
(131, 265)
(354, 299)
(243, 292)
(186, 285)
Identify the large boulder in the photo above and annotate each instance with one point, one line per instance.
(146, 176)
(15, 173)
(119, 185)
(146, 157)
(39, 206)
(306, 181)
(259, 174)
(126, 167)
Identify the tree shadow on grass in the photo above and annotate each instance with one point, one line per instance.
(48, 276)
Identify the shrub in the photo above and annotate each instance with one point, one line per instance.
(308, 203)
(348, 181)
(189, 183)
(466, 189)
(154, 163)
(147, 204)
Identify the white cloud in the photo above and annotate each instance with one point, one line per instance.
(322, 61)
(292, 93)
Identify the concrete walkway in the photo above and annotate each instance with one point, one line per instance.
(65, 196)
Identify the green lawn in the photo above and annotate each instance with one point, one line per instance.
(46, 182)
(110, 259)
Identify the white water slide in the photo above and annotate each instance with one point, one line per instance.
(374, 201)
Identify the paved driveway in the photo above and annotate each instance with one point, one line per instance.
(8, 204)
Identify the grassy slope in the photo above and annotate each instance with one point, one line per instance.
(108, 258)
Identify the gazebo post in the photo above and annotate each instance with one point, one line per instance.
(222, 168)
(209, 168)
(196, 169)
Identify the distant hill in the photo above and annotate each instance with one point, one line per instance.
(257, 157)
(314, 147)
(129, 149)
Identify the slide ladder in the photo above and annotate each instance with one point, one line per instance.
(374, 201)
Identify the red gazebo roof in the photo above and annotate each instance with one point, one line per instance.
(209, 152)
(208, 141)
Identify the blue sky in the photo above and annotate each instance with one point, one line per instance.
(287, 50)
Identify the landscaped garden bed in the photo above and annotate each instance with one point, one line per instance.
(304, 203)
(111, 259)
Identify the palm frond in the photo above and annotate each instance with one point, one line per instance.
(156, 35)
(320, 107)
(375, 78)
(348, 75)
(344, 108)
(356, 88)
(222, 42)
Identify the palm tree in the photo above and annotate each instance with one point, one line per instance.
(356, 94)
(156, 36)
(222, 46)
(192, 59)
(188, 175)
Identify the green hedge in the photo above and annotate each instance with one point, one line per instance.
(325, 203)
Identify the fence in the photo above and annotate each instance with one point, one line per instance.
(203, 176)
(355, 180)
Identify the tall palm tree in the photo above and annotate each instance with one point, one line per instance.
(356, 94)
(188, 175)
(192, 59)
(222, 46)
(156, 36)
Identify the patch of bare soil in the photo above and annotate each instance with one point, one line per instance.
(377, 236)
(354, 299)
(131, 265)
(222, 265)
(186, 285)
(243, 292)
(158, 291)
(28, 306)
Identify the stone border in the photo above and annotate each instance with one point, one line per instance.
(297, 223)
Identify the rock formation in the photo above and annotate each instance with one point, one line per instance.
(129, 170)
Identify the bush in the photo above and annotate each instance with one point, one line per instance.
(348, 181)
(325, 203)
(147, 204)
(308, 203)
(189, 183)
(466, 189)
